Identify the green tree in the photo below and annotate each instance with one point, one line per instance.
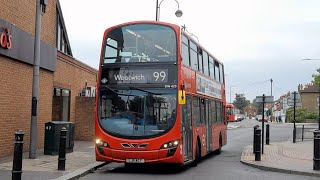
(240, 102)
(316, 78)
(301, 115)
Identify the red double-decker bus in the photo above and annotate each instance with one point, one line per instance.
(230, 113)
(160, 96)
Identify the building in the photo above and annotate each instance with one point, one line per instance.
(62, 77)
(309, 94)
(250, 111)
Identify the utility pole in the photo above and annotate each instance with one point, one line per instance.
(271, 114)
(271, 85)
(40, 8)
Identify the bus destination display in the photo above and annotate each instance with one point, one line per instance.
(137, 76)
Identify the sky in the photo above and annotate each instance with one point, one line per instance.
(256, 40)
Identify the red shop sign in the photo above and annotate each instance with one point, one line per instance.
(6, 39)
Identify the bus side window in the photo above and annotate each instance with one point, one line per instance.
(196, 111)
(203, 112)
(214, 112)
(185, 51)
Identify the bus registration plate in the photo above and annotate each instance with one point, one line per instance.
(135, 160)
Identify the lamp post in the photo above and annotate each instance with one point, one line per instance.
(40, 9)
(178, 13)
(230, 93)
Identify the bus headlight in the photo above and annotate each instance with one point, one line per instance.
(100, 143)
(169, 145)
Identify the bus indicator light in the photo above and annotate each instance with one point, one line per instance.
(182, 97)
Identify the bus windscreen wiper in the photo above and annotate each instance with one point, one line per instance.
(135, 88)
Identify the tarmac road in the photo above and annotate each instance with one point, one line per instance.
(227, 165)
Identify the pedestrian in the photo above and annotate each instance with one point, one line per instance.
(280, 119)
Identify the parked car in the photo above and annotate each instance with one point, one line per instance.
(259, 118)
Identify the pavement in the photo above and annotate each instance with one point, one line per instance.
(78, 163)
(285, 157)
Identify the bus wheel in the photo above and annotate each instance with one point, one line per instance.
(198, 156)
(218, 151)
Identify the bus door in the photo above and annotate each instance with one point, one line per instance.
(187, 129)
(208, 124)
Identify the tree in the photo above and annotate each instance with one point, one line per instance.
(316, 77)
(240, 102)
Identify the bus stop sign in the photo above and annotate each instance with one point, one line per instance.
(267, 99)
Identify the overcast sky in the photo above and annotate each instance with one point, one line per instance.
(255, 39)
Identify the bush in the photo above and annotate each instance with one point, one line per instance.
(301, 115)
(312, 115)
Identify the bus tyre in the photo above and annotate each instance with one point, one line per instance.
(198, 156)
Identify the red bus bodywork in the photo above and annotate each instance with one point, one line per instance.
(230, 115)
(153, 153)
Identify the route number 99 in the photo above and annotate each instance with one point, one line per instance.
(159, 75)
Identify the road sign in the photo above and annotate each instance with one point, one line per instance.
(298, 104)
(267, 99)
(297, 96)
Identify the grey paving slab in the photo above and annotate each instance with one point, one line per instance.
(283, 157)
(80, 161)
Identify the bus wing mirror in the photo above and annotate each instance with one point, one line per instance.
(182, 97)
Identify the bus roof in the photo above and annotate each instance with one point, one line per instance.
(165, 24)
(198, 44)
(229, 105)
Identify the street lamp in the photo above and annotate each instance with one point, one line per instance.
(318, 99)
(40, 9)
(308, 59)
(230, 93)
(178, 13)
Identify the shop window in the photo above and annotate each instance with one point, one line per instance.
(61, 104)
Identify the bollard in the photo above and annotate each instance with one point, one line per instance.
(17, 156)
(294, 135)
(257, 143)
(316, 150)
(302, 132)
(268, 134)
(254, 132)
(62, 149)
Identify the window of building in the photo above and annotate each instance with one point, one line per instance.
(61, 104)
(62, 43)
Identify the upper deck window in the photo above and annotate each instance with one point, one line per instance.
(141, 43)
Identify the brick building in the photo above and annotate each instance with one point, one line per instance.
(62, 77)
(309, 94)
(250, 111)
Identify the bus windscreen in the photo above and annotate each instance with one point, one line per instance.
(140, 43)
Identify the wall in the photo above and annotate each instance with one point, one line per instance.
(22, 13)
(72, 74)
(309, 101)
(84, 118)
(15, 103)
